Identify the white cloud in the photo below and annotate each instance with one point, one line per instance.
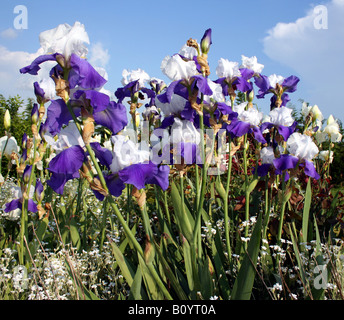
(12, 82)
(98, 56)
(315, 54)
(9, 33)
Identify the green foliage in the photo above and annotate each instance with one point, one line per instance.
(20, 119)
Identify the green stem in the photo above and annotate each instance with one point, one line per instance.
(24, 213)
(247, 194)
(227, 229)
(284, 202)
(197, 231)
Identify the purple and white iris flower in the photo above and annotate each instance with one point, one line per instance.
(66, 46)
(248, 121)
(69, 159)
(251, 64)
(232, 78)
(280, 118)
(13, 208)
(302, 151)
(133, 166)
(184, 73)
(270, 85)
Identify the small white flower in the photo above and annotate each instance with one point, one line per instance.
(251, 63)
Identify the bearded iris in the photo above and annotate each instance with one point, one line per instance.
(248, 121)
(278, 86)
(281, 118)
(301, 150)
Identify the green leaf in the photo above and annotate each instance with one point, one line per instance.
(297, 253)
(243, 285)
(170, 275)
(188, 264)
(74, 234)
(217, 252)
(153, 289)
(125, 267)
(136, 287)
(185, 221)
(252, 185)
(306, 208)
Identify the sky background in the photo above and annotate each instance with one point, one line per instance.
(139, 34)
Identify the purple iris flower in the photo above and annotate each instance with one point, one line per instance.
(248, 121)
(102, 154)
(39, 190)
(265, 86)
(95, 99)
(284, 131)
(114, 117)
(114, 184)
(34, 67)
(287, 161)
(141, 174)
(65, 166)
(18, 203)
(238, 82)
(81, 74)
(59, 115)
(178, 87)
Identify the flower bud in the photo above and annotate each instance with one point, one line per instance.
(7, 120)
(39, 191)
(206, 41)
(27, 174)
(34, 114)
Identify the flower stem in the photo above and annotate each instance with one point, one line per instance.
(229, 172)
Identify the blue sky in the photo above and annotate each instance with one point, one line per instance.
(139, 34)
